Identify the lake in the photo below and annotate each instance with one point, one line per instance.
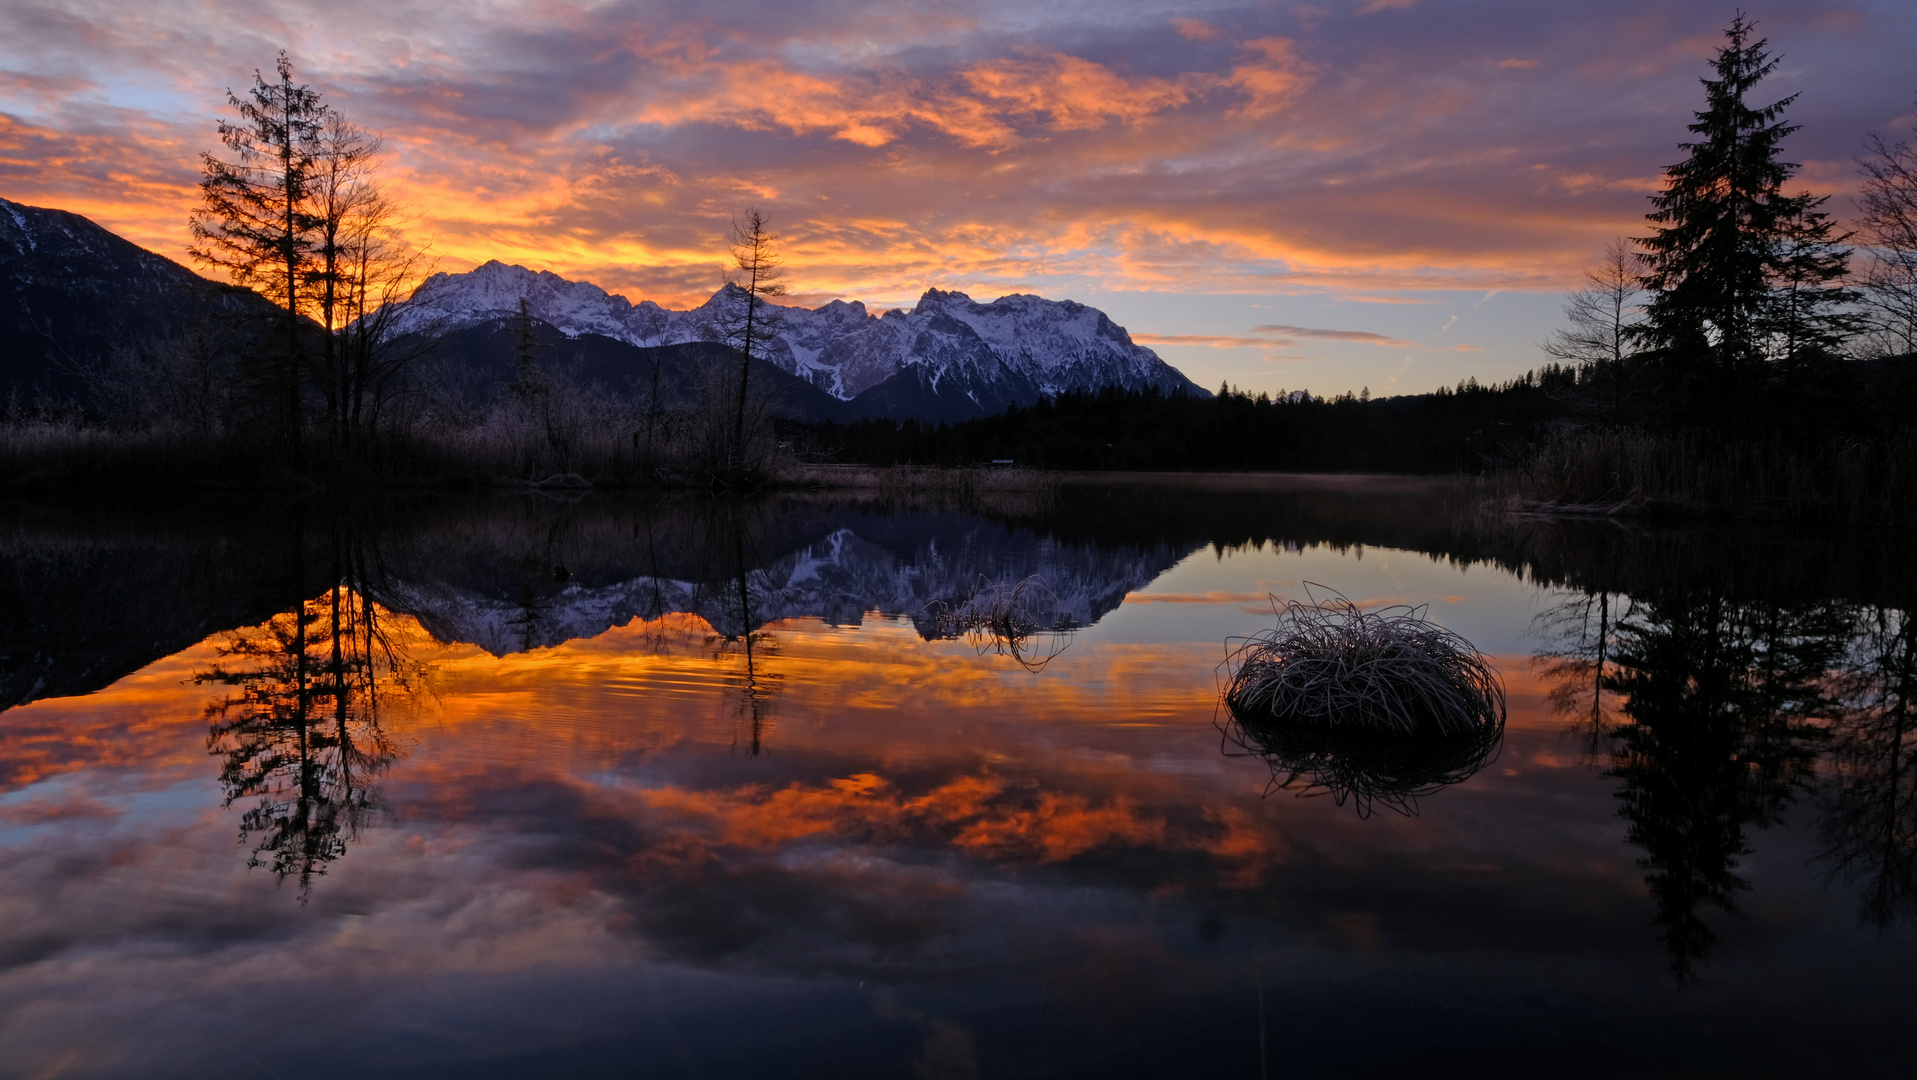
(681, 787)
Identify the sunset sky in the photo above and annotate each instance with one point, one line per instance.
(1382, 193)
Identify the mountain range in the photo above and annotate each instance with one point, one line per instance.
(71, 291)
(949, 357)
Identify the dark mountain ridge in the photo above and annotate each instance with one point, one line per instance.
(71, 291)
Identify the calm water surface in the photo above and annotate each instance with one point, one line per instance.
(519, 787)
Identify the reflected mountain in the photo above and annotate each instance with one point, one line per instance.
(542, 576)
(90, 599)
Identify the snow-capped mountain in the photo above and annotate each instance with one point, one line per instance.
(949, 349)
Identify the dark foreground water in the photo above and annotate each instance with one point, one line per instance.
(689, 789)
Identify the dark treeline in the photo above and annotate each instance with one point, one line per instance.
(1461, 430)
(1470, 429)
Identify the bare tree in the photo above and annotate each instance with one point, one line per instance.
(347, 208)
(1601, 317)
(756, 256)
(379, 273)
(1888, 224)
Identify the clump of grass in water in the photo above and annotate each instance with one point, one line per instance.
(1379, 707)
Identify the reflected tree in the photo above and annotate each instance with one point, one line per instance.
(300, 733)
(1723, 708)
(1870, 824)
(755, 688)
(1576, 659)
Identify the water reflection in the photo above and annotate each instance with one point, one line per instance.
(1022, 620)
(300, 733)
(1713, 716)
(1722, 703)
(1371, 768)
(1869, 826)
(669, 793)
(1576, 660)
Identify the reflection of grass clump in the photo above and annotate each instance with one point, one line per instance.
(1020, 620)
(1381, 706)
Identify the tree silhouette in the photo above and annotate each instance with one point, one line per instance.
(1739, 272)
(755, 253)
(1722, 704)
(301, 732)
(1870, 824)
(1603, 319)
(256, 220)
(1888, 220)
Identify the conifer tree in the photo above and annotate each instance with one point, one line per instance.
(1739, 272)
(255, 221)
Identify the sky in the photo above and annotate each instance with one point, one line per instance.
(1381, 194)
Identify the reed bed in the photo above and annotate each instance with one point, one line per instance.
(1621, 471)
(1382, 706)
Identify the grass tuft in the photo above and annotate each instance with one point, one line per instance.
(1382, 706)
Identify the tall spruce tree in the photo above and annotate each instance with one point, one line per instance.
(255, 221)
(1739, 272)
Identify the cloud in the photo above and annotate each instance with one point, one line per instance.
(900, 147)
(1195, 30)
(1335, 335)
(1215, 341)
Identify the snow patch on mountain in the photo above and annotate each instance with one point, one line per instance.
(1016, 346)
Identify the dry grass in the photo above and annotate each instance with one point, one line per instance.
(1380, 707)
(1331, 664)
(1627, 472)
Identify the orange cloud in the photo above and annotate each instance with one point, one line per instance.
(1195, 29)
(1286, 151)
(1213, 341)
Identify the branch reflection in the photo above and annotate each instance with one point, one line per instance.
(1869, 828)
(302, 731)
